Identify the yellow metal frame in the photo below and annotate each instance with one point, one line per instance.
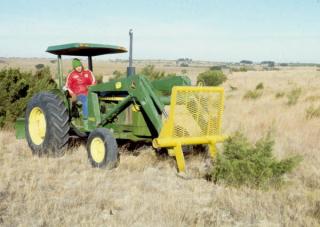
(112, 98)
(174, 143)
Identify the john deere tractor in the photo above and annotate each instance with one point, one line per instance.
(132, 108)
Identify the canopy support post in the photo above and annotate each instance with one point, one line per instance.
(59, 72)
(90, 66)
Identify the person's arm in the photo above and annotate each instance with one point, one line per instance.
(92, 78)
(70, 86)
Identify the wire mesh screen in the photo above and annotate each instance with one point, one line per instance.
(197, 112)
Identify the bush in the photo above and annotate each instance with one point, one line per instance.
(183, 71)
(293, 96)
(253, 94)
(99, 78)
(253, 165)
(17, 88)
(117, 75)
(268, 63)
(184, 65)
(246, 62)
(211, 78)
(216, 67)
(233, 88)
(259, 86)
(39, 66)
(243, 69)
(313, 98)
(312, 112)
(148, 71)
(279, 94)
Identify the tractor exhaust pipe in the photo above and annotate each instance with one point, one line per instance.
(130, 69)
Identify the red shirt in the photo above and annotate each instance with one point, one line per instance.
(78, 83)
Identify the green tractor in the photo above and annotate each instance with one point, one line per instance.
(132, 108)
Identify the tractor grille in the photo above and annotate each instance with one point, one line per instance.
(196, 111)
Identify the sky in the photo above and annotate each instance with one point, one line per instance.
(213, 30)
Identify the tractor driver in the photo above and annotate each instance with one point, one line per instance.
(77, 84)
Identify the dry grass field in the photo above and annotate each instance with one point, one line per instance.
(145, 189)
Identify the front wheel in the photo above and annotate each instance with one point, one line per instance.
(102, 149)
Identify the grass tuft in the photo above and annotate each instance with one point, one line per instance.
(293, 96)
(312, 112)
(259, 86)
(279, 95)
(254, 94)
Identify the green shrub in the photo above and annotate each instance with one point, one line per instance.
(99, 78)
(117, 75)
(279, 94)
(39, 66)
(259, 86)
(313, 98)
(216, 67)
(243, 69)
(312, 112)
(211, 78)
(184, 65)
(233, 88)
(253, 165)
(232, 69)
(293, 96)
(315, 212)
(17, 88)
(246, 62)
(253, 94)
(148, 71)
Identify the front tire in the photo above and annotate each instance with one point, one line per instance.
(47, 125)
(102, 149)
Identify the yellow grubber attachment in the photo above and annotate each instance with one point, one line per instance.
(195, 117)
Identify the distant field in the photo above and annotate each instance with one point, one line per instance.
(145, 190)
(107, 67)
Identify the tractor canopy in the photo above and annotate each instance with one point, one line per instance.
(82, 49)
(85, 49)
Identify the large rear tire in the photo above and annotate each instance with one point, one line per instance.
(47, 125)
(102, 149)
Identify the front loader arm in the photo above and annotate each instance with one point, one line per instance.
(134, 90)
(149, 102)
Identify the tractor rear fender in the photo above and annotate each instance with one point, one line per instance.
(20, 122)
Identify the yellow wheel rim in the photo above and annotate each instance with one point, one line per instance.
(97, 150)
(37, 125)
